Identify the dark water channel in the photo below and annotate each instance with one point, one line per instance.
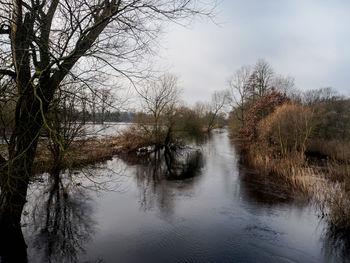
(197, 205)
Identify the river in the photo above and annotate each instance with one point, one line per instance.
(199, 205)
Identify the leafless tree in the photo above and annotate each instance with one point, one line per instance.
(239, 91)
(43, 42)
(218, 102)
(106, 101)
(159, 99)
(261, 78)
(286, 85)
(63, 126)
(200, 108)
(312, 97)
(84, 103)
(93, 105)
(283, 84)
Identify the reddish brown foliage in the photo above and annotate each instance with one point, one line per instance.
(262, 107)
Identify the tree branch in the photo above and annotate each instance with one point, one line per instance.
(86, 40)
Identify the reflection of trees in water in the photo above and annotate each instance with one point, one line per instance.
(62, 221)
(182, 165)
(161, 174)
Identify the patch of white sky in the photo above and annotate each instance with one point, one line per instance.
(307, 40)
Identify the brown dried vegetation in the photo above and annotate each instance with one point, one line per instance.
(277, 137)
(262, 108)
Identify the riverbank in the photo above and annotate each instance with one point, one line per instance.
(306, 145)
(325, 181)
(220, 214)
(94, 150)
(85, 152)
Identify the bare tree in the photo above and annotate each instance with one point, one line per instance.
(260, 79)
(42, 42)
(159, 99)
(93, 105)
(312, 97)
(216, 106)
(63, 126)
(106, 102)
(286, 85)
(84, 102)
(239, 92)
(283, 84)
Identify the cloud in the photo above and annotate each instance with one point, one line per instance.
(304, 39)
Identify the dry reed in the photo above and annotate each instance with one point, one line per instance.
(328, 186)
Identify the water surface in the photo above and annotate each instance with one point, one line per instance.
(197, 205)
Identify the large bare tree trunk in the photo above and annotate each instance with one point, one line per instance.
(14, 191)
(16, 175)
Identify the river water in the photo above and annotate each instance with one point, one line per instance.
(198, 205)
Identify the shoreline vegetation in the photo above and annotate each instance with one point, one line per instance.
(299, 137)
(301, 144)
(324, 182)
(81, 153)
(164, 122)
(285, 139)
(93, 150)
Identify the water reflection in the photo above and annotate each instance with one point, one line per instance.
(155, 172)
(196, 206)
(171, 165)
(61, 221)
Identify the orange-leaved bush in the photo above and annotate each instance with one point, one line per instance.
(262, 107)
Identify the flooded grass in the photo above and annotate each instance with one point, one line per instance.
(80, 153)
(328, 186)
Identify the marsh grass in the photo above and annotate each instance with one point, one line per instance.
(328, 186)
(81, 153)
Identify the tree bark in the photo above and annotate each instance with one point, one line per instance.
(22, 148)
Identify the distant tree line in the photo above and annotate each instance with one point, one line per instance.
(108, 116)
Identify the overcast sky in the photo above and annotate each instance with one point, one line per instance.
(306, 39)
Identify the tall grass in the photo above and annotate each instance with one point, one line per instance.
(292, 169)
(327, 186)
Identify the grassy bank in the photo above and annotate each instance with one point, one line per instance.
(324, 181)
(85, 152)
(306, 146)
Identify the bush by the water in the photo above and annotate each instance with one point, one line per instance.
(306, 144)
(285, 131)
(261, 109)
